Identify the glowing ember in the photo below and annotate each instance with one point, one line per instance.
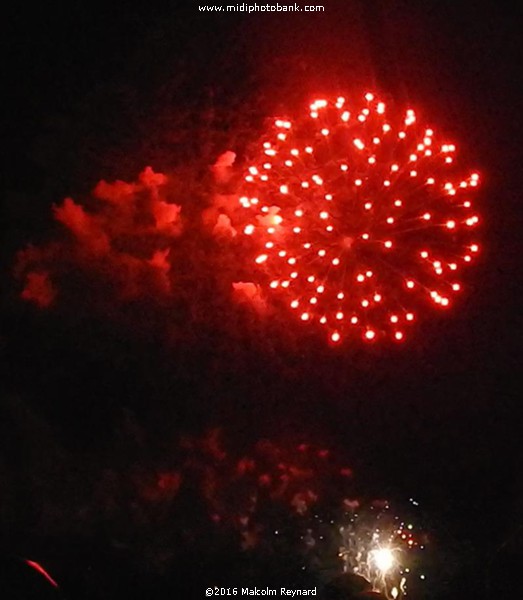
(357, 219)
(37, 567)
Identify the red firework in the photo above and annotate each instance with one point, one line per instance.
(358, 218)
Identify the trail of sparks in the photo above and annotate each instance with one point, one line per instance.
(357, 219)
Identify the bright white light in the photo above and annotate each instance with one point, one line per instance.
(383, 559)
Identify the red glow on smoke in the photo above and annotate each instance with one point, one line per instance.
(121, 236)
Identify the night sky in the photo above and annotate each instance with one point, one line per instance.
(100, 92)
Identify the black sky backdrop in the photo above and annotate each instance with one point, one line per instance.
(95, 92)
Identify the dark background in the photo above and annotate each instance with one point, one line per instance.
(96, 92)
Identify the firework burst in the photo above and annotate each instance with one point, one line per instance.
(381, 547)
(358, 219)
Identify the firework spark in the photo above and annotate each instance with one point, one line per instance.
(294, 499)
(358, 219)
(377, 545)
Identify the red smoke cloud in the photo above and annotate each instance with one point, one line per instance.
(39, 289)
(121, 235)
(159, 256)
